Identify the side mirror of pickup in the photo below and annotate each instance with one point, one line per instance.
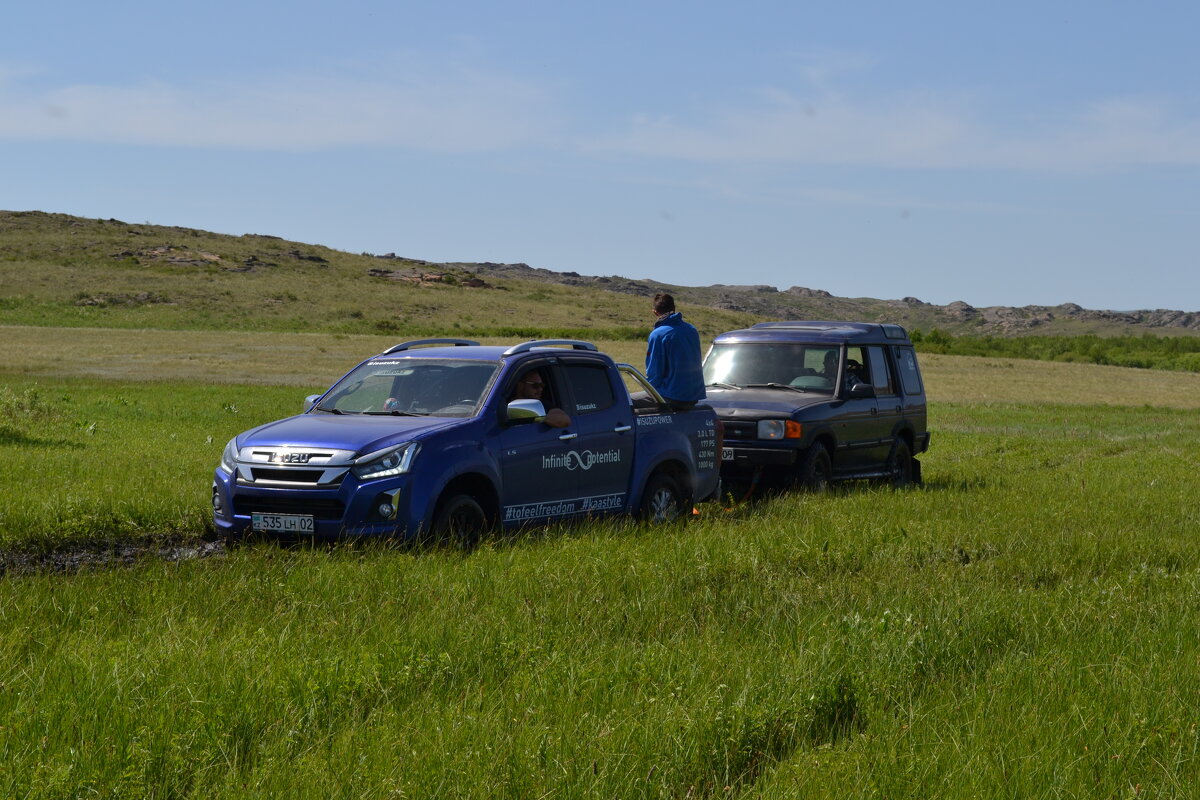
(525, 410)
(310, 400)
(861, 390)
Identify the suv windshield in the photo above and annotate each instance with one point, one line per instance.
(412, 386)
(811, 367)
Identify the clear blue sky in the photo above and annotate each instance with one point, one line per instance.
(996, 153)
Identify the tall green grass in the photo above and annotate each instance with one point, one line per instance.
(1023, 626)
(99, 461)
(1180, 352)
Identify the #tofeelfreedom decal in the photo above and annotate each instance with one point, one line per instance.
(562, 508)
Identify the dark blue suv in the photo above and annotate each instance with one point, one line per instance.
(809, 402)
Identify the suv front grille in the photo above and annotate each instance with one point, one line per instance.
(744, 431)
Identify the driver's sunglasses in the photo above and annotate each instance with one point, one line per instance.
(534, 384)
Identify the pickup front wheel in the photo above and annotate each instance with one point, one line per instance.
(460, 521)
(663, 500)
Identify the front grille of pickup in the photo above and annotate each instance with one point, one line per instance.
(741, 430)
(287, 475)
(319, 509)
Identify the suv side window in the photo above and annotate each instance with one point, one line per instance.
(591, 389)
(910, 376)
(881, 376)
(856, 368)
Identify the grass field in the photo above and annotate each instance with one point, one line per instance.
(1022, 626)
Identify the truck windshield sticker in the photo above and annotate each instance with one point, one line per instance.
(578, 505)
(573, 459)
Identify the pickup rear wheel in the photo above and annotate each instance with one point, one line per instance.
(816, 469)
(663, 500)
(460, 521)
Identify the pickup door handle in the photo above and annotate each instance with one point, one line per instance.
(566, 437)
(622, 429)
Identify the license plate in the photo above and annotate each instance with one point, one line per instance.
(727, 454)
(282, 523)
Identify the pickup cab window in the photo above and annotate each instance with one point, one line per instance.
(591, 389)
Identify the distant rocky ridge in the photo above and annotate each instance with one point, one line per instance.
(800, 302)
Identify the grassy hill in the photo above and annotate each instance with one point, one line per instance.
(59, 270)
(63, 271)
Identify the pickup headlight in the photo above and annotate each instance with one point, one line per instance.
(778, 429)
(386, 463)
(229, 457)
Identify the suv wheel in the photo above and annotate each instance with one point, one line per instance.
(900, 464)
(816, 469)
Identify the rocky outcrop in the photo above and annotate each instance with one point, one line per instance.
(800, 302)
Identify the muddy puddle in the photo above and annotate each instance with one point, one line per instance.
(87, 557)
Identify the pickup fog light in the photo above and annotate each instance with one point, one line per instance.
(386, 511)
(778, 429)
(386, 463)
(218, 506)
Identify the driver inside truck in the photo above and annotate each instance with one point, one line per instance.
(532, 386)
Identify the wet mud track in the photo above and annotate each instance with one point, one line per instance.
(83, 557)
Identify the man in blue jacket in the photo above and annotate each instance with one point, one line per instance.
(673, 362)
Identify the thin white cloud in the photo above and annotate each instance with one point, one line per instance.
(915, 133)
(467, 111)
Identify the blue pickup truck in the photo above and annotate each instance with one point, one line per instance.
(807, 402)
(426, 440)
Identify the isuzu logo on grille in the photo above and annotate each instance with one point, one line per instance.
(289, 458)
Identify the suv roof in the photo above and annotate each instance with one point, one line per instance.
(818, 331)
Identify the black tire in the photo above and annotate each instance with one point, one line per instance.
(663, 501)
(816, 469)
(460, 521)
(900, 464)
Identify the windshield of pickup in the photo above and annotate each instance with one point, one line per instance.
(783, 365)
(423, 387)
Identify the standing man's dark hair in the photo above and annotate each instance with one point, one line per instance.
(673, 363)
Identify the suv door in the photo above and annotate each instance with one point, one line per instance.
(600, 457)
(855, 419)
(912, 391)
(889, 405)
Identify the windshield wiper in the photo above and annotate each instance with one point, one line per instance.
(775, 386)
(721, 385)
(395, 412)
(330, 410)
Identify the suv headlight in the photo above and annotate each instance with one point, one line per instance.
(229, 457)
(386, 463)
(778, 429)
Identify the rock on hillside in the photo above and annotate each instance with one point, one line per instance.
(799, 302)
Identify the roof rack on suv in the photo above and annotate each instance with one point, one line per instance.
(575, 344)
(423, 342)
